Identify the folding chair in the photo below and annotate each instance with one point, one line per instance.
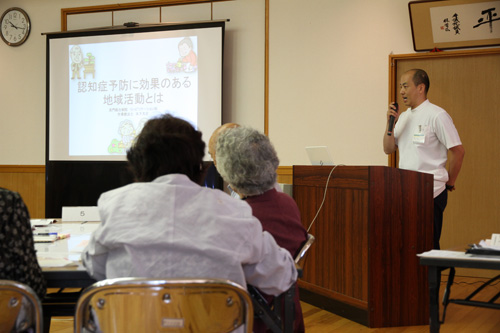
(279, 316)
(169, 305)
(20, 308)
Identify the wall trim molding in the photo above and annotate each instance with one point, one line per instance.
(124, 6)
(22, 168)
(285, 174)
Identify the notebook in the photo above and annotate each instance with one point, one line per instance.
(319, 155)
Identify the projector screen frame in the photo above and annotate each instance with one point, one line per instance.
(80, 182)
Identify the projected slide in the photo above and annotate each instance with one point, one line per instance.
(103, 86)
(115, 87)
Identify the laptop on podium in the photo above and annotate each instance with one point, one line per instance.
(319, 155)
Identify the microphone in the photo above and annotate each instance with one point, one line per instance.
(391, 120)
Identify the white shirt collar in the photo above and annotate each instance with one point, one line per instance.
(421, 106)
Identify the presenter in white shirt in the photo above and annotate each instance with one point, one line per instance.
(425, 136)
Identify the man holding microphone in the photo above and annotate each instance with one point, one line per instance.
(425, 134)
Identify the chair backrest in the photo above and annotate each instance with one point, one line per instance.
(167, 305)
(20, 308)
(301, 256)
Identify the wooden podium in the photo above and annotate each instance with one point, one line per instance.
(373, 223)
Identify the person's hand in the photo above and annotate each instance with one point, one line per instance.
(450, 187)
(392, 111)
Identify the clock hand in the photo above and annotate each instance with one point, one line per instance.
(12, 24)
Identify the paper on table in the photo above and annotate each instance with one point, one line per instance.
(56, 262)
(41, 222)
(76, 243)
(442, 254)
(487, 244)
(495, 240)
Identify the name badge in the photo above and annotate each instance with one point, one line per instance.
(419, 137)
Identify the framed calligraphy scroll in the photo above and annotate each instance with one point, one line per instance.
(452, 24)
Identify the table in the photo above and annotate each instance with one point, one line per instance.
(435, 260)
(60, 260)
(62, 267)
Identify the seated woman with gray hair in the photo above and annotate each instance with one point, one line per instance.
(247, 160)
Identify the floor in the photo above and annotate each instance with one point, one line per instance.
(458, 318)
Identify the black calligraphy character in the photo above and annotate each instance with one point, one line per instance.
(456, 24)
(489, 18)
(446, 24)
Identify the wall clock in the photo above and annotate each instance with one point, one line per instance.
(15, 27)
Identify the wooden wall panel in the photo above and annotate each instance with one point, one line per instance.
(29, 181)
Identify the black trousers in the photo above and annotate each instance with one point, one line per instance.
(439, 205)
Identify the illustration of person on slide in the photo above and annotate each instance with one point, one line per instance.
(127, 132)
(188, 58)
(76, 56)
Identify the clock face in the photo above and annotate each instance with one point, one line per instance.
(15, 26)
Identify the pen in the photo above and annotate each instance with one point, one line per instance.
(44, 233)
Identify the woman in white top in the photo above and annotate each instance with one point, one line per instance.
(167, 226)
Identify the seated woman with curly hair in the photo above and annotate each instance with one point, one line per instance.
(246, 159)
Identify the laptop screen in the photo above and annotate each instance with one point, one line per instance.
(319, 155)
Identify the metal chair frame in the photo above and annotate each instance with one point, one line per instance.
(283, 305)
(301, 256)
(21, 293)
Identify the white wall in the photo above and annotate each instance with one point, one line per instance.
(244, 64)
(22, 83)
(328, 75)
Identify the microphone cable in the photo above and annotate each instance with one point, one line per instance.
(324, 197)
